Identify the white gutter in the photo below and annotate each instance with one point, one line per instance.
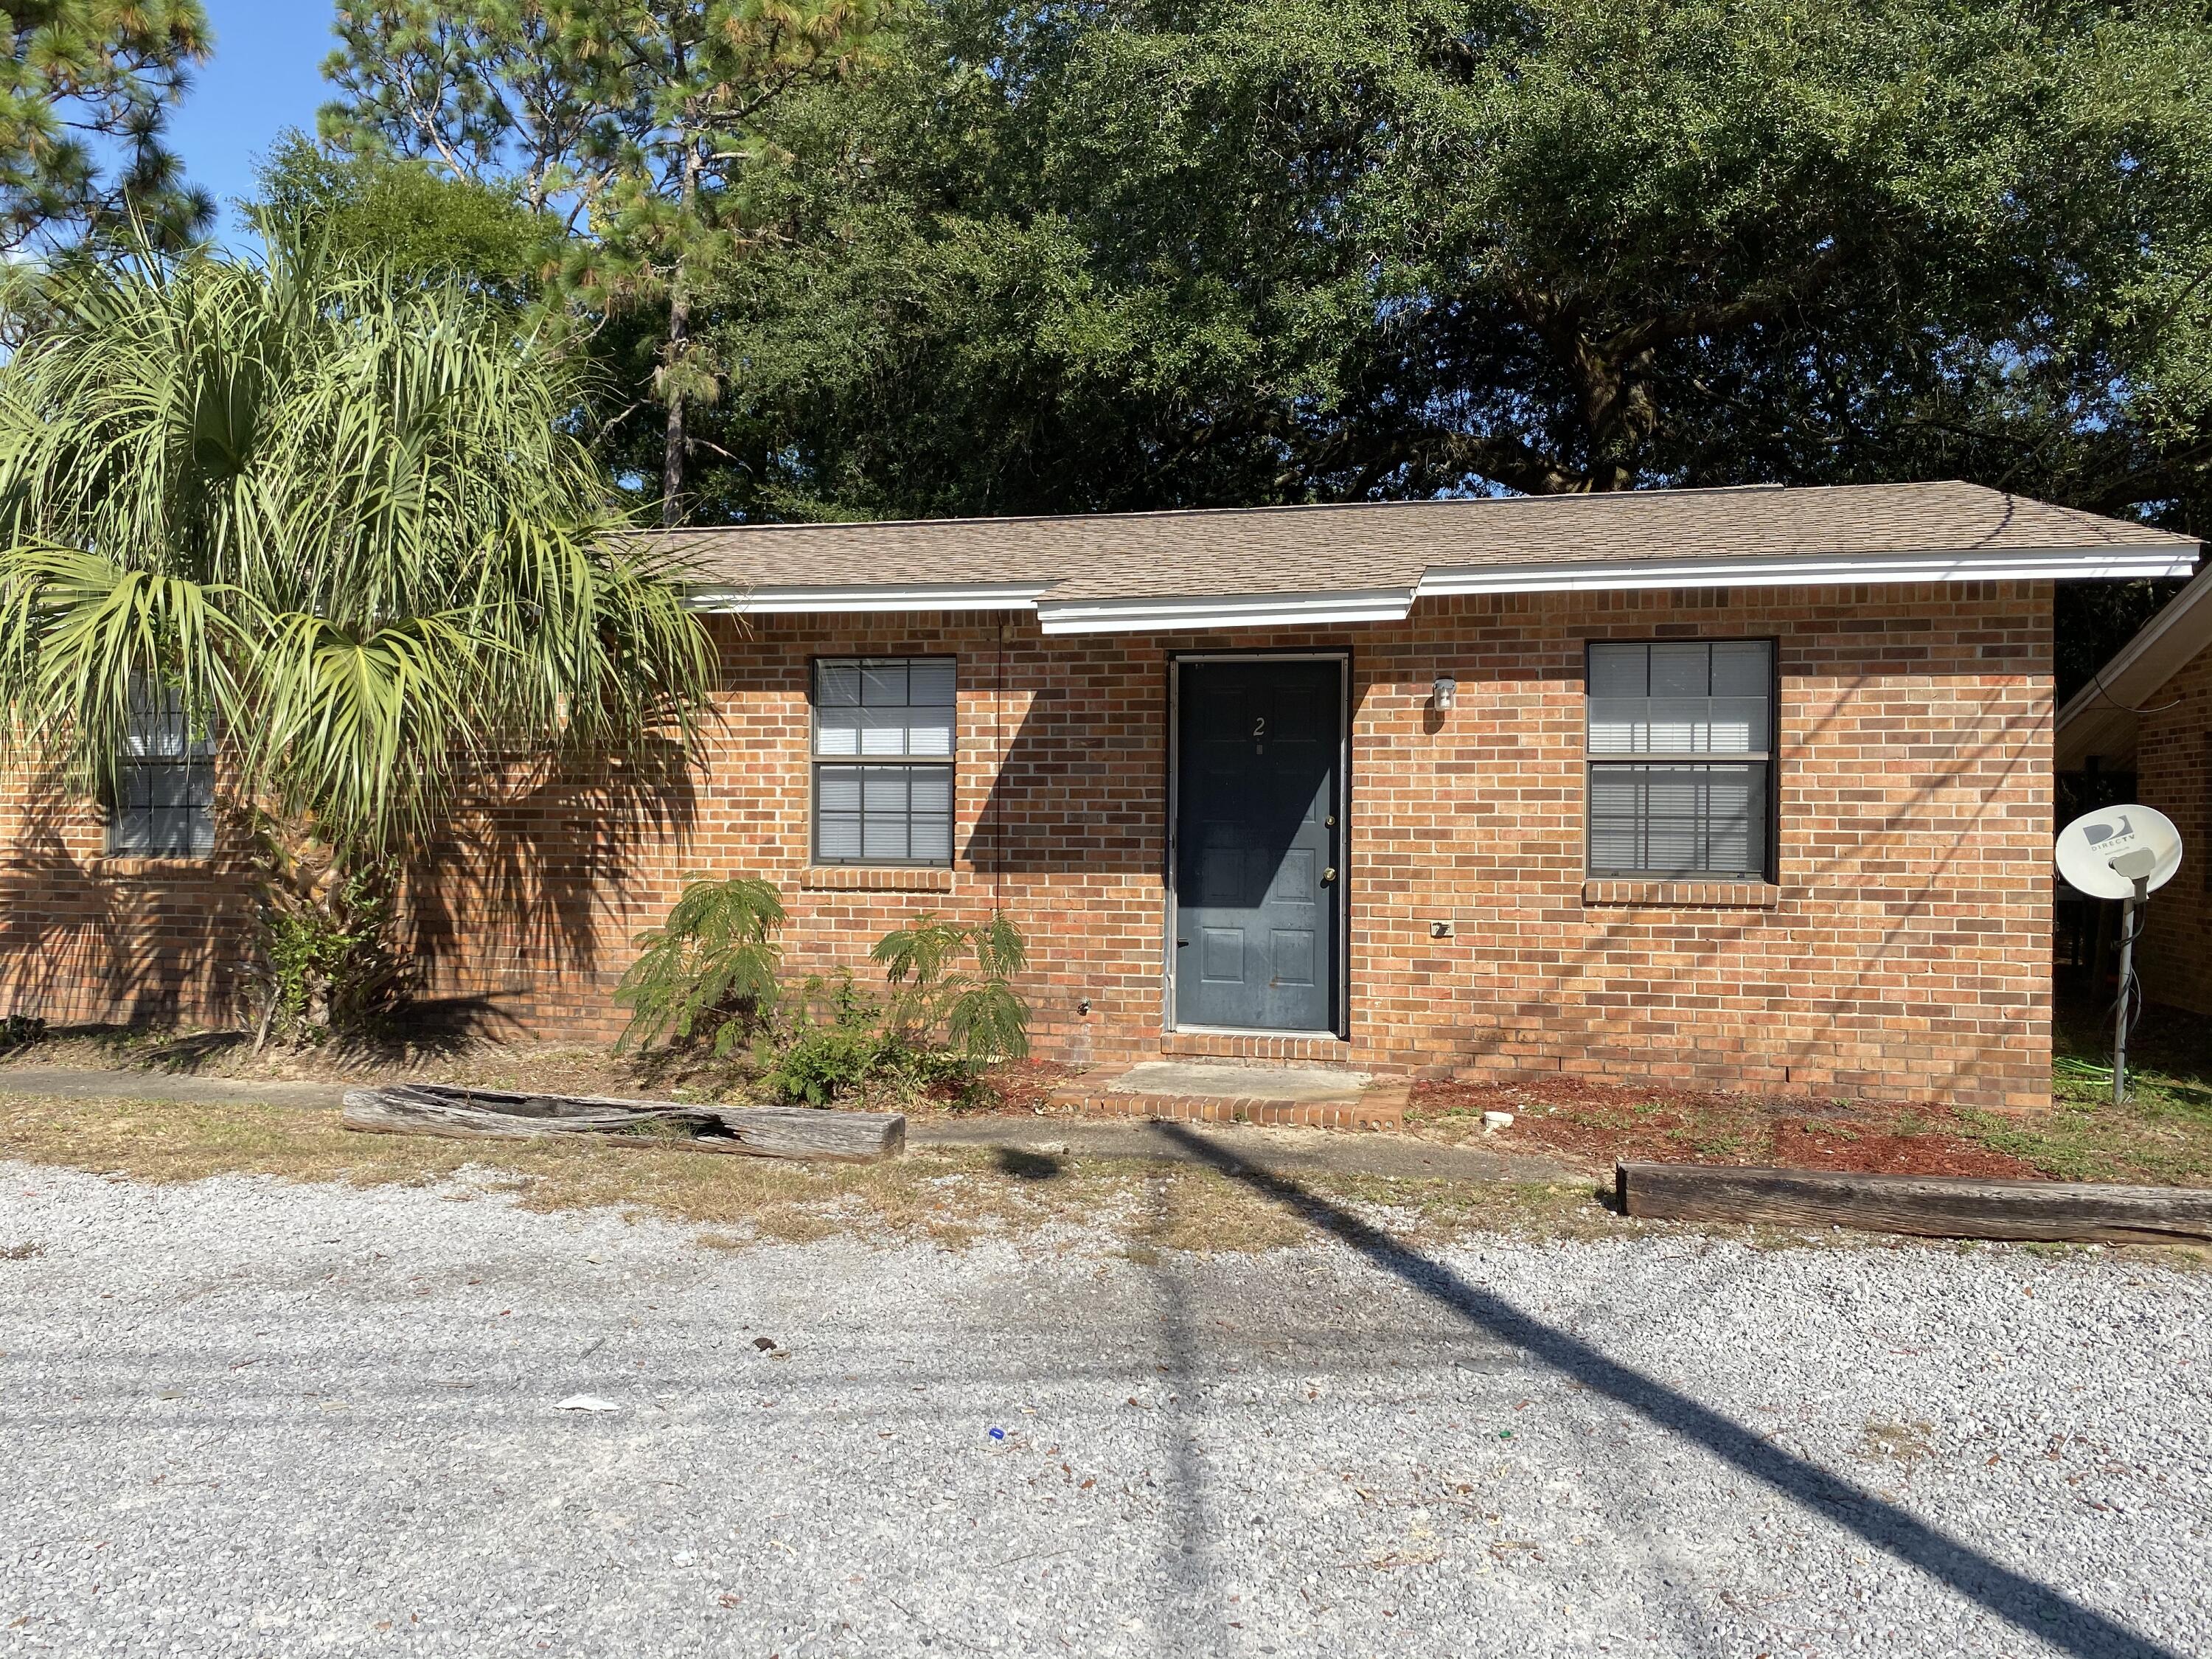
(1237, 610)
(1185, 612)
(2100, 718)
(856, 601)
(1804, 572)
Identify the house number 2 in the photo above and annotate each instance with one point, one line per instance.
(1260, 727)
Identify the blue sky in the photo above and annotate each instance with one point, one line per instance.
(264, 77)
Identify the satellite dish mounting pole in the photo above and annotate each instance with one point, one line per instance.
(2124, 853)
(2130, 909)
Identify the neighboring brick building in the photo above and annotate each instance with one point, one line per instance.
(2147, 716)
(1743, 788)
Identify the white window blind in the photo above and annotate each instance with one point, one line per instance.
(884, 741)
(1698, 717)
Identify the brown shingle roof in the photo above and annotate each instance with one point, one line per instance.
(1372, 560)
(1393, 545)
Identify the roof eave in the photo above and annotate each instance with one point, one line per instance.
(2100, 719)
(1204, 612)
(1183, 612)
(851, 600)
(2074, 563)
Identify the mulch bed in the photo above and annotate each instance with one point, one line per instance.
(1597, 1124)
(1017, 1086)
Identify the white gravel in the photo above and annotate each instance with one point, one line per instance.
(246, 1418)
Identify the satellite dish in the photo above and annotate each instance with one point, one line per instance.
(2105, 852)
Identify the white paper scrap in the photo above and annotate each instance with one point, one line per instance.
(586, 1402)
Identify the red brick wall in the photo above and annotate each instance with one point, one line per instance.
(2174, 773)
(1904, 953)
(83, 936)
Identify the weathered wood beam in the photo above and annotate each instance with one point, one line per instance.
(791, 1132)
(1929, 1205)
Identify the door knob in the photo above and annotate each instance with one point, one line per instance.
(1329, 875)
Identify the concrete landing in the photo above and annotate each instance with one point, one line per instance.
(1196, 1077)
(1194, 1091)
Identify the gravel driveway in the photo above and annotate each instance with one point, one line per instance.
(247, 1418)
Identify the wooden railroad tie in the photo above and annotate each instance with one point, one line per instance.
(1934, 1206)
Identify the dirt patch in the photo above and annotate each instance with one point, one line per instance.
(951, 1196)
(1595, 1124)
(1019, 1087)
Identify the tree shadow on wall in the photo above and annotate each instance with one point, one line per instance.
(527, 871)
(86, 937)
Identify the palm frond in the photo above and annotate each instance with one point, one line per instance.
(349, 516)
(86, 640)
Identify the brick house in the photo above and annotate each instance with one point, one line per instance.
(2145, 722)
(1744, 787)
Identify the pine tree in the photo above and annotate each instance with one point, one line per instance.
(636, 121)
(86, 88)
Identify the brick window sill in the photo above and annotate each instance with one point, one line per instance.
(1683, 895)
(873, 878)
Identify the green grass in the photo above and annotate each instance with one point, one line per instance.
(2161, 1134)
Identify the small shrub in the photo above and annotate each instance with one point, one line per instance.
(330, 966)
(824, 1062)
(710, 968)
(975, 1012)
(19, 1031)
(834, 1046)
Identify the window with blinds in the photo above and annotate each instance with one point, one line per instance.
(164, 804)
(883, 760)
(1679, 745)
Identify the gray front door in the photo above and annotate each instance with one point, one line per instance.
(1258, 843)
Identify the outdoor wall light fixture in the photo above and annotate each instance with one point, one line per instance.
(1445, 691)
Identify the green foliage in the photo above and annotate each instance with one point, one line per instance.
(21, 1032)
(343, 516)
(823, 1063)
(638, 120)
(838, 1046)
(329, 964)
(86, 88)
(974, 1010)
(1248, 251)
(405, 217)
(710, 966)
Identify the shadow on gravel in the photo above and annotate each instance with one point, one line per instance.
(2043, 1613)
(1187, 1559)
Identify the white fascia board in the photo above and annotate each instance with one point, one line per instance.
(850, 600)
(2057, 563)
(1241, 611)
(2101, 718)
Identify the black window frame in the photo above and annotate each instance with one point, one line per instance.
(818, 761)
(130, 798)
(1768, 814)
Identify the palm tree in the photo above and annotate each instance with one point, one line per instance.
(344, 523)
